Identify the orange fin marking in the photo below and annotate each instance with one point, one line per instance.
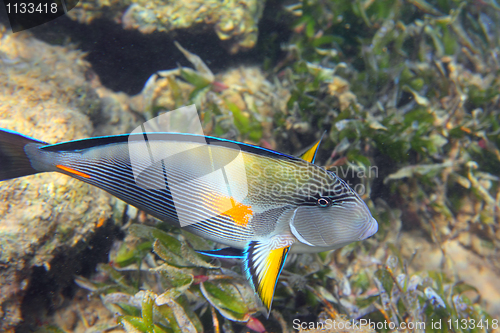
(73, 171)
(101, 221)
(240, 213)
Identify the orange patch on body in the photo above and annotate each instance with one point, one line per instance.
(73, 171)
(240, 213)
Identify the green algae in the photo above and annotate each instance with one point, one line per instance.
(176, 281)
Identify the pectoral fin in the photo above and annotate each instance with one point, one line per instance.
(227, 252)
(263, 263)
(310, 154)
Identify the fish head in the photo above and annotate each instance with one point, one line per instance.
(332, 216)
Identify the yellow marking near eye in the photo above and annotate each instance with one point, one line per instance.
(239, 212)
(73, 171)
(269, 275)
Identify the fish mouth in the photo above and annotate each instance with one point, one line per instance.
(370, 230)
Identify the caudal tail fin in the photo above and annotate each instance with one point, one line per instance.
(13, 159)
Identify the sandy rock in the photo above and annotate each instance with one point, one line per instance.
(463, 262)
(234, 22)
(45, 93)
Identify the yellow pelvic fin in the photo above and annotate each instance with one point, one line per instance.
(310, 154)
(73, 171)
(263, 265)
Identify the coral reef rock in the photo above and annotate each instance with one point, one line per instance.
(235, 22)
(46, 93)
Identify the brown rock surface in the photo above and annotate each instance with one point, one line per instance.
(45, 93)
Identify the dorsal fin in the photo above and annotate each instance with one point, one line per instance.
(184, 137)
(310, 154)
(263, 263)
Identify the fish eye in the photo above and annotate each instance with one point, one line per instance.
(324, 202)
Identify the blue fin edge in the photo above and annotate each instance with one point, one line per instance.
(227, 252)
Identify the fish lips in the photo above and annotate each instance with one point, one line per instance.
(370, 230)
(333, 226)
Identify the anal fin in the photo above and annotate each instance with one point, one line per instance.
(263, 263)
(227, 252)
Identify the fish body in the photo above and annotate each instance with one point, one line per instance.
(261, 203)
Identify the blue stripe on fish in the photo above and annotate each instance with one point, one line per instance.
(225, 253)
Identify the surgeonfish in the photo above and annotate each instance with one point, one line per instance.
(278, 204)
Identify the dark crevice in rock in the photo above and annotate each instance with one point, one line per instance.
(125, 59)
(48, 289)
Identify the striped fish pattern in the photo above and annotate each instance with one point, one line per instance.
(279, 204)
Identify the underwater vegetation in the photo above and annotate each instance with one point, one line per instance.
(237, 104)
(177, 290)
(174, 286)
(425, 80)
(407, 88)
